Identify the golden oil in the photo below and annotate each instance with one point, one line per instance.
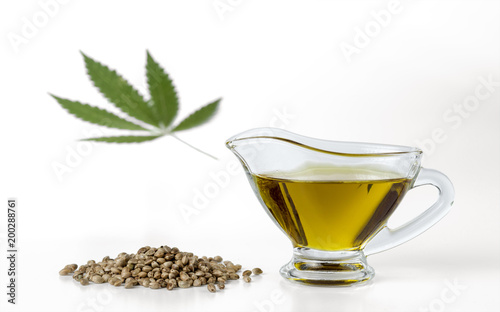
(331, 208)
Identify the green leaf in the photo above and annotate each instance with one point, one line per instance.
(96, 115)
(199, 117)
(124, 139)
(119, 92)
(162, 91)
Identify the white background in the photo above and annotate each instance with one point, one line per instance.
(266, 59)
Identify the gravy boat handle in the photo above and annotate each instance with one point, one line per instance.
(388, 238)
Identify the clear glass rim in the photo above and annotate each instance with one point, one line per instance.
(308, 142)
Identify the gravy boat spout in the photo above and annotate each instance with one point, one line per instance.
(277, 151)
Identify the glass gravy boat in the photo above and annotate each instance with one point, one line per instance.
(333, 199)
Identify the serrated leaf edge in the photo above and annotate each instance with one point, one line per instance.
(149, 113)
(140, 128)
(172, 118)
(101, 139)
(216, 103)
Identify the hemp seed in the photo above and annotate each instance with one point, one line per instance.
(64, 272)
(185, 284)
(97, 279)
(156, 268)
(84, 281)
(211, 288)
(256, 271)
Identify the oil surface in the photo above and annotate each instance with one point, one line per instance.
(330, 208)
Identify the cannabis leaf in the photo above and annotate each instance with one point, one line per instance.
(162, 92)
(118, 91)
(199, 117)
(96, 115)
(124, 139)
(154, 115)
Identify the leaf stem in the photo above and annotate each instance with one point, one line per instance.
(195, 148)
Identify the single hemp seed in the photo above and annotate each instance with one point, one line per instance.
(70, 268)
(256, 271)
(211, 288)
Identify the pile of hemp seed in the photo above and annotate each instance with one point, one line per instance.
(156, 268)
